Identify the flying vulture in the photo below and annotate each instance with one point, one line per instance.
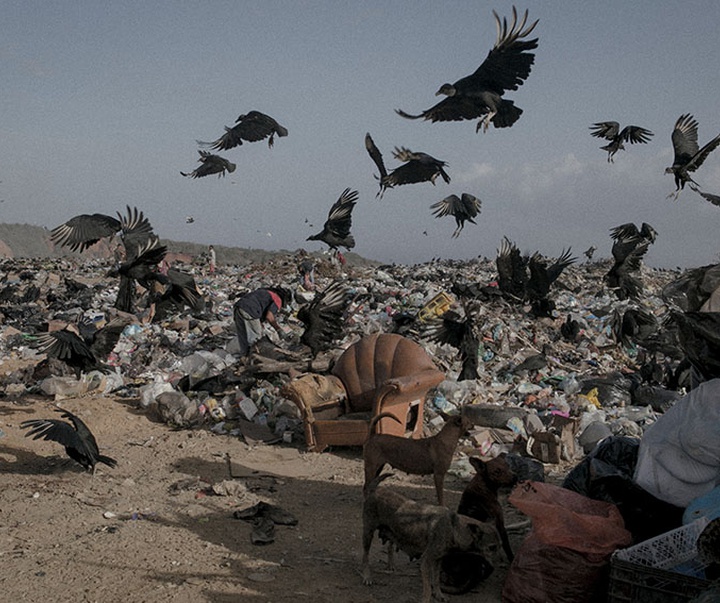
(80, 444)
(463, 209)
(210, 164)
(417, 167)
(479, 95)
(688, 155)
(250, 127)
(610, 130)
(336, 230)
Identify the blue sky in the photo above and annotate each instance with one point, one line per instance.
(103, 102)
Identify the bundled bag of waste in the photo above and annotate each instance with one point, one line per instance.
(679, 455)
(566, 556)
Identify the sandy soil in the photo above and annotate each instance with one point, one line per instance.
(152, 530)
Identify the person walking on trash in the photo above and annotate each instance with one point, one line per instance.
(255, 308)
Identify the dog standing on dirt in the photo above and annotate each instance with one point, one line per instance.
(420, 530)
(425, 456)
(480, 501)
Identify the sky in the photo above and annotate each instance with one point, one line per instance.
(103, 102)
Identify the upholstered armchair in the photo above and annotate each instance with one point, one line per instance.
(381, 373)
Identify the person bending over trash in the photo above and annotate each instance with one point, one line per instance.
(255, 308)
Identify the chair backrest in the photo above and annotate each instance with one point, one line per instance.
(374, 359)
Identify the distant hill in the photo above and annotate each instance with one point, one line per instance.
(27, 241)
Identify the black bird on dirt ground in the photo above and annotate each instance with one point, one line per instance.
(79, 442)
(463, 209)
(249, 127)
(336, 230)
(210, 164)
(688, 154)
(417, 167)
(610, 130)
(480, 94)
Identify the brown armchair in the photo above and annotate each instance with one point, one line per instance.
(381, 373)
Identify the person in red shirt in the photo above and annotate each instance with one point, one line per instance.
(253, 309)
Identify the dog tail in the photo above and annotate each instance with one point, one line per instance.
(377, 417)
(372, 486)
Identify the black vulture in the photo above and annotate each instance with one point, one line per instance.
(85, 230)
(324, 317)
(463, 209)
(629, 247)
(590, 251)
(80, 444)
(210, 164)
(250, 127)
(82, 353)
(632, 325)
(542, 278)
(460, 332)
(512, 270)
(571, 329)
(336, 230)
(610, 130)
(418, 167)
(141, 267)
(688, 155)
(479, 95)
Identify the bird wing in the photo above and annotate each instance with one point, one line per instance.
(67, 347)
(105, 339)
(508, 63)
(84, 230)
(605, 129)
(562, 262)
(136, 232)
(635, 134)
(447, 207)
(511, 267)
(210, 164)
(339, 219)
(53, 430)
(699, 157)
(471, 205)
(714, 199)
(255, 126)
(324, 316)
(182, 289)
(685, 139)
(448, 329)
(375, 155)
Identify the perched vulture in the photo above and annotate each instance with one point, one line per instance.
(610, 130)
(80, 444)
(210, 164)
(479, 95)
(417, 167)
(463, 209)
(336, 230)
(512, 270)
(250, 127)
(688, 155)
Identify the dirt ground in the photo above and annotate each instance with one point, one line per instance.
(152, 530)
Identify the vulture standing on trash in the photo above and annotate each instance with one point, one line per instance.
(417, 167)
(336, 230)
(324, 317)
(210, 164)
(629, 247)
(82, 353)
(250, 127)
(479, 95)
(463, 209)
(688, 155)
(80, 444)
(610, 130)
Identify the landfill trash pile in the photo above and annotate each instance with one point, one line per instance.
(573, 389)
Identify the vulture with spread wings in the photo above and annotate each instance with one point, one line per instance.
(463, 209)
(610, 130)
(210, 164)
(324, 317)
(629, 247)
(688, 154)
(336, 230)
(480, 94)
(250, 127)
(417, 167)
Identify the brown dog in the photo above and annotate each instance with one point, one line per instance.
(425, 531)
(480, 501)
(420, 457)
